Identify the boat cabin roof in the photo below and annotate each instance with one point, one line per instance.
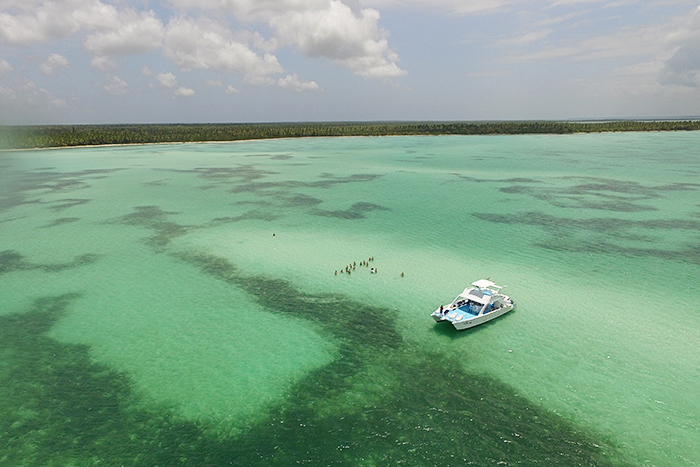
(481, 291)
(482, 296)
(485, 283)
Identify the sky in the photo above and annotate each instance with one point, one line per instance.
(199, 61)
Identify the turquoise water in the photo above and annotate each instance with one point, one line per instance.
(178, 304)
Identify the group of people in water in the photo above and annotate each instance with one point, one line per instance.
(351, 267)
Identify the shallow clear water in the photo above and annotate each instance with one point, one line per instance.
(177, 304)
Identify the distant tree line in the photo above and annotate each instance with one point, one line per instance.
(24, 137)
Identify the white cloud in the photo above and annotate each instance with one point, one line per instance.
(664, 51)
(554, 20)
(116, 86)
(37, 22)
(184, 92)
(167, 80)
(488, 74)
(526, 38)
(29, 88)
(203, 43)
(293, 83)
(58, 103)
(104, 64)
(231, 90)
(575, 2)
(121, 32)
(683, 68)
(658, 42)
(211, 82)
(258, 41)
(252, 10)
(340, 30)
(146, 71)
(30, 93)
(4, 67)
(481, 7)
(338, 33)
(460, 7)
(113, 31)
(257, 80)
(264, 10)
(54, 61)
(639, 69)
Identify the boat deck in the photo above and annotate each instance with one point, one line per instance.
(464, 311)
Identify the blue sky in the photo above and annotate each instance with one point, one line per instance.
(149, 61)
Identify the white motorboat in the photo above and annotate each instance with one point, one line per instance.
(481, 302)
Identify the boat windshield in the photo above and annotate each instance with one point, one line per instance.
(481, 295)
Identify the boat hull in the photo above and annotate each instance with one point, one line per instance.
(477, 320)
(438, 317)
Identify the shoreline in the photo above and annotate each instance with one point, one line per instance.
(14, 138)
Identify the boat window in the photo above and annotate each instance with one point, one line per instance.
(477, 293)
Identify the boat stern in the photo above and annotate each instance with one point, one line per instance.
(438, 315)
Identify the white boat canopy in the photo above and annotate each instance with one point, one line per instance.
(475, 296)
(484, 283)
(481, 291)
